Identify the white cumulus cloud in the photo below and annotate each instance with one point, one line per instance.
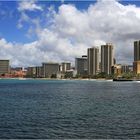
(29, 6)
(73, 31)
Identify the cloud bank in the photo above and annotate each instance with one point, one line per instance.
(72, 31)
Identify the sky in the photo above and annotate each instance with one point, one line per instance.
(32, 32)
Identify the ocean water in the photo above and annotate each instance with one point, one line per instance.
(58, 109)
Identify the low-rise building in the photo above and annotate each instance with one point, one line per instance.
(18, 72)
(116, 70)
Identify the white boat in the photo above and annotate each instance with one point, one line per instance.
(110, 80)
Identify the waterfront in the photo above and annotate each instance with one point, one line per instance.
(69, 109)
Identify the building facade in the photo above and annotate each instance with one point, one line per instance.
(18, 72)
(4, 67)
(136, 63)
(136, 67)
(50, 70)
(125, 69)
(81, 66)
(31, 72)
(116, 70)
(136, 50)
(93, 61)
(107, 58)
(65, 67)
(39, 71)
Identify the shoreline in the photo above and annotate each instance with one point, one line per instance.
(86, 79)
(74, 79)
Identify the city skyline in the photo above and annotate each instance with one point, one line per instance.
(99, 55)
(39, 31)
(85, 67)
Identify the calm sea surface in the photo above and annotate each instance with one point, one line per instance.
(69, 109)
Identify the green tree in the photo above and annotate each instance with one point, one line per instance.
(128, 75)
(53, 76)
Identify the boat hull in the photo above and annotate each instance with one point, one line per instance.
(122, 80)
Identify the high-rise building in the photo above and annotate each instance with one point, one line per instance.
(39, 71)
(106, 58)
(4, 67)
(50, 70)
(65, 66)
(35, 72)
(136, 67)
(114, 61)
(137, 50)
(93, 61)
(130, 68)
(81, 65)
(136, 63)
(125, 69)
(31, 72)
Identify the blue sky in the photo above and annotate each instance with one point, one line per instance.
(9, 16)
(62, 30)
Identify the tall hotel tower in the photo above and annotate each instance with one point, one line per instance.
(106, 58)
(136, 63)
(93, 61)
(81, 65)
